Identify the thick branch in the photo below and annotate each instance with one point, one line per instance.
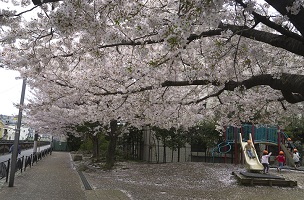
(275, 40)
(291, 85)
(19, 14)
(296, 20)
(267, 22)
(187, 83)
(288, 43)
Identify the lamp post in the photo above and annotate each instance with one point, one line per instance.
(17, 135)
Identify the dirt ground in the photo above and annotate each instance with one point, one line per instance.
(189, 181)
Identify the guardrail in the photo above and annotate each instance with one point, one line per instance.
(25, 144)
(23, 162)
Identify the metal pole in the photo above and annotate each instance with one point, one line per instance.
(35, 143)
(17, 135)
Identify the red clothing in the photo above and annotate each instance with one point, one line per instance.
(280, 158)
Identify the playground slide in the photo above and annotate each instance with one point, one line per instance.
(251, 164)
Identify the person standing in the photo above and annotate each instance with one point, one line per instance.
(12, 148)
(296, 158)
(265, 161)
(281, 159)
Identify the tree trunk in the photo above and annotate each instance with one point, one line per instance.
(158, 151)
(95, 141)
(113, 135)
(165, 153)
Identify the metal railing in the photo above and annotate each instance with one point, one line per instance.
(4, 169)
(6, 144)
(23, 162)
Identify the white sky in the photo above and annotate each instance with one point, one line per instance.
(10, 91)
(10, 87)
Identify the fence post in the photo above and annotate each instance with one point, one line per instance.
(7, 169)
(279, 139)
(22, 163)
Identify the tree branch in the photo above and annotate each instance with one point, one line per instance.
(265, 20)
(281, 41)
(296, 20)
(291, 86)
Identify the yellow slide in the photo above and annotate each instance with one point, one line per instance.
(251, 164)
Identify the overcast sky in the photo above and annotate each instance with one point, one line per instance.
(10, 91)
(10, 88)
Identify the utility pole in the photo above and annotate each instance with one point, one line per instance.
(17, 135)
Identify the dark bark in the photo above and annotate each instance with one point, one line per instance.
(296, 20)
(165, 153)
(113, 136)
(266, 20)
(95, 141)
(290, 44)
(291, 85)
(40, 2)
(158, 151)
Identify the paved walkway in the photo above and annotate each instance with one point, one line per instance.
(53, 178)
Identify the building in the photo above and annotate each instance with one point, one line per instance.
(154, 150)
(8, 125)
(1, 129)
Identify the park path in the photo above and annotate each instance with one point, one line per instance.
(51, 178)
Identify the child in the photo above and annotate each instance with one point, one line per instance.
(296, 158)
(289, 145)
(265, 161)
(281, 159)
(248, 148)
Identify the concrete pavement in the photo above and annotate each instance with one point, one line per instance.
(54, 178)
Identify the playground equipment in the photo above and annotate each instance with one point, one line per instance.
(222, 148)
(251, 164)
(268, 135)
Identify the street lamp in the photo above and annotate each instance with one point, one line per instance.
(17, 135)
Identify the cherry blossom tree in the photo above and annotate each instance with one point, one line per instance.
(91, 131)
(166, 63)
